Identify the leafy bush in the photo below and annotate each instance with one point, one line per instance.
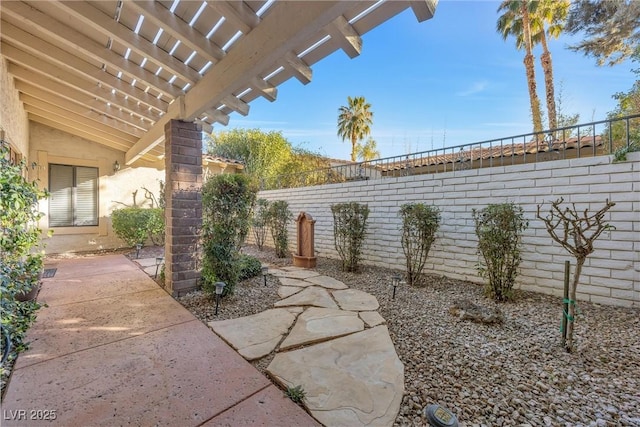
(419, 225)
(155, 226)
(20, 262)
(279, 216)
(349, 229)
(249, 267)
(260, 222)
(135, 225)
(227, 201)
(499, 228)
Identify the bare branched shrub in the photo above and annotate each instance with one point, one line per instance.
(419, 225)
(499, 229)
(576, 232)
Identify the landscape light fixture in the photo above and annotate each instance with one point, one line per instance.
(116, 166)
(138, 247)
(219, 288)
(159, 261)
(395, 279)
(265, 271)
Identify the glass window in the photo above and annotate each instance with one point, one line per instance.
(74, 196)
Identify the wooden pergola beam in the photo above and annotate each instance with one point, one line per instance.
(279, 32)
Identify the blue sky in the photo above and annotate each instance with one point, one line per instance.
(447, 81)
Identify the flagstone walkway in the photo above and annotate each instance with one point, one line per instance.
(330, 340)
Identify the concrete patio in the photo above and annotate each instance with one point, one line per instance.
(113, 348)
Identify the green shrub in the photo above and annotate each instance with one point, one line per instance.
(279, 215)
(155, 226)
(227, 201)
(21, 260)
(349, 230)
(136, 225)
(260, 222)
(419, 225)
(499, 229)
(249, 267)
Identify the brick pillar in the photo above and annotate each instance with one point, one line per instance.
(183, 205)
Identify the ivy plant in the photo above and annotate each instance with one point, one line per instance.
(21, 255)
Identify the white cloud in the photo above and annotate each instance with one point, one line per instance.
(476, 87)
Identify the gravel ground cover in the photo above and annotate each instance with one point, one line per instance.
(514, 373)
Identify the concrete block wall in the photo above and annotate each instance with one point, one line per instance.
(611, 274)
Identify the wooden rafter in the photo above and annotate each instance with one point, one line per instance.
(82, 67)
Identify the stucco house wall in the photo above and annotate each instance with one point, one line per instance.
(14, 125)
(115, 188)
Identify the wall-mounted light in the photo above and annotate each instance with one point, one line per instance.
(116, 166)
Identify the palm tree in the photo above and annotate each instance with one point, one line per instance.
(368, 150)
(515, 21)
(554, 13)
(354, 122)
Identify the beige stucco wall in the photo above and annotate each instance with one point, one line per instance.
(13, 118)
(48, 145)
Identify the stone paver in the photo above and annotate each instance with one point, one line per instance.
(312, 296)
(354, 380)
(327, 282)
(287, 291)
(320, 324)
(295, 274)
(300, 283)
(352, 376)
(255, 336)
(371, 318)
(355, 300)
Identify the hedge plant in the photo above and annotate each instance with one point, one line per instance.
(279, 216)
(21, 257)
(499, 229)
(227, 203)
(249, 267)
(419, 225)
(137, 225)
(349, 231)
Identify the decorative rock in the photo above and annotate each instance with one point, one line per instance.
(319, 324)
(354, 380)
(327, 282)
(371, 318)
(314, 296)
(255, 336)
(466, 310)
(287, 291)
(355, 300)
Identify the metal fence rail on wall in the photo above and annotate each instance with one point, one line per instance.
(584, 140)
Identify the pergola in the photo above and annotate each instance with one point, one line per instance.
(115, 72)
(119, 73)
